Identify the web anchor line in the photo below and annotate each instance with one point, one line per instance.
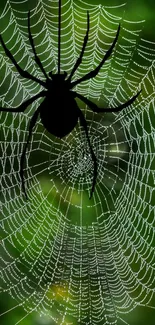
(59, 36)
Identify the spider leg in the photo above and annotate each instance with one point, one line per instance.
(97, 109)
(23, 73)
(94, 72)
(24, 105)
(31, 125)
(33, 48)
(79, 60)
(84, 124)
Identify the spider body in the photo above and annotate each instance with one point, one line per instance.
(61, 120)
(59, 111)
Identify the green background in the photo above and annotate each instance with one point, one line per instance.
(135, 10)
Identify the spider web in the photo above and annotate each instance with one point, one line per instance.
(75, 260)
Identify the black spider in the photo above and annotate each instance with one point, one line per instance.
(60, 118)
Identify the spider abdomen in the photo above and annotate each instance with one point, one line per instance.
(59, 114)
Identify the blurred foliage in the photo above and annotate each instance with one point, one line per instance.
(134, 10)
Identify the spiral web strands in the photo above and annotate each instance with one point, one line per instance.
(75, 260)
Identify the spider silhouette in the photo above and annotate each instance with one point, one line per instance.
(59, 111)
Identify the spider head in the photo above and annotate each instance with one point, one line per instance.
(58, 76)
